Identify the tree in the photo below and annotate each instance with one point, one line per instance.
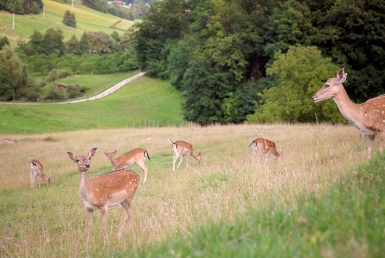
(206, 88)
(3, 42)
(73, 46)
(101, 42)
(69, 19)
(84, 43)
(301, 72)
(15, 80)
(53, 42)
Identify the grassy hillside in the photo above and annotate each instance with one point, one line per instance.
(87, 20)
(314, 202)
(142, 102)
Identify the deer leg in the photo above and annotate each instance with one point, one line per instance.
(381, 144)
(370, 146)
(104, 211)
(38, 177)
(90, 212)
(187, 160)
(32, 179)
(181, 158)
(144, 170)
(127, 217)
(176, 156)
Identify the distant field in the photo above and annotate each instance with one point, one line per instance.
(87, 20)
(96, 83)
(143, 102)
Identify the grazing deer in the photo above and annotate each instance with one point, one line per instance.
(135, 156)
(182, 148)
(36, 170)
(104, 191)
(261, 145)
(368, 117)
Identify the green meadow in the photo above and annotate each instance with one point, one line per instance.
(141, 103)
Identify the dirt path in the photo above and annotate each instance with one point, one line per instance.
(106, 92)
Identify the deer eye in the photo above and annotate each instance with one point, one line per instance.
(77, 161)
(89, 158)
(326, 85)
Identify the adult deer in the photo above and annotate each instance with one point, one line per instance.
(104, 191)
(181, 149)
(261, 145)
(368, 117)
(135, 156)
(36, 171)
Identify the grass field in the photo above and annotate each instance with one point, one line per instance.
(87, 20)
(142, 102)
(314, 202)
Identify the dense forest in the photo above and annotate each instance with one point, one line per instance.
(263, 60)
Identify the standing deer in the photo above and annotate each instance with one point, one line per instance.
(104, 191)
(368, 117)
(261, 145)
(182, 148)
(36, 170)
(135, 156)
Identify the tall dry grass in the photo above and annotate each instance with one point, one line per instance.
(50, 221)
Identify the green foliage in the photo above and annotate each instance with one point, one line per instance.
(205, 89)
(73, 46)
(101, 42)
(3, 41)
(301, 72)
(69, 19)
(15, 80)
(84, 43)
(57, 74)
(56, 94)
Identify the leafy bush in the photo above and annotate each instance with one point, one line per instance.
(56, 94)
(74, 91)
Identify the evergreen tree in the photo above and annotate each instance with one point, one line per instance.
(69, 19)
(84, 43)
(73, 46)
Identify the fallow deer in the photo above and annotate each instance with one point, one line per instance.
(135, 156)
(368, 117)
(181, 149)
(36, 171)
(261, 145)
(104, 191)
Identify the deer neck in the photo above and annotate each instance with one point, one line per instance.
(113, 161)
(83, 185)
(348, 109)
(195, 155)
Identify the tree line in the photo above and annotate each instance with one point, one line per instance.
(261, 61)
(48, 55)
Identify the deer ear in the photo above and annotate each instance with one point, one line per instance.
(341, 75)
(70, 155)
(92, 152)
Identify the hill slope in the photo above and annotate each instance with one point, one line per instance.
(140, 102)
(87, 20)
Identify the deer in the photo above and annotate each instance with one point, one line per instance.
(36, 171)
(368, 117)
(135, 156)
(181, 149)
(104, 191)
(261, 145)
